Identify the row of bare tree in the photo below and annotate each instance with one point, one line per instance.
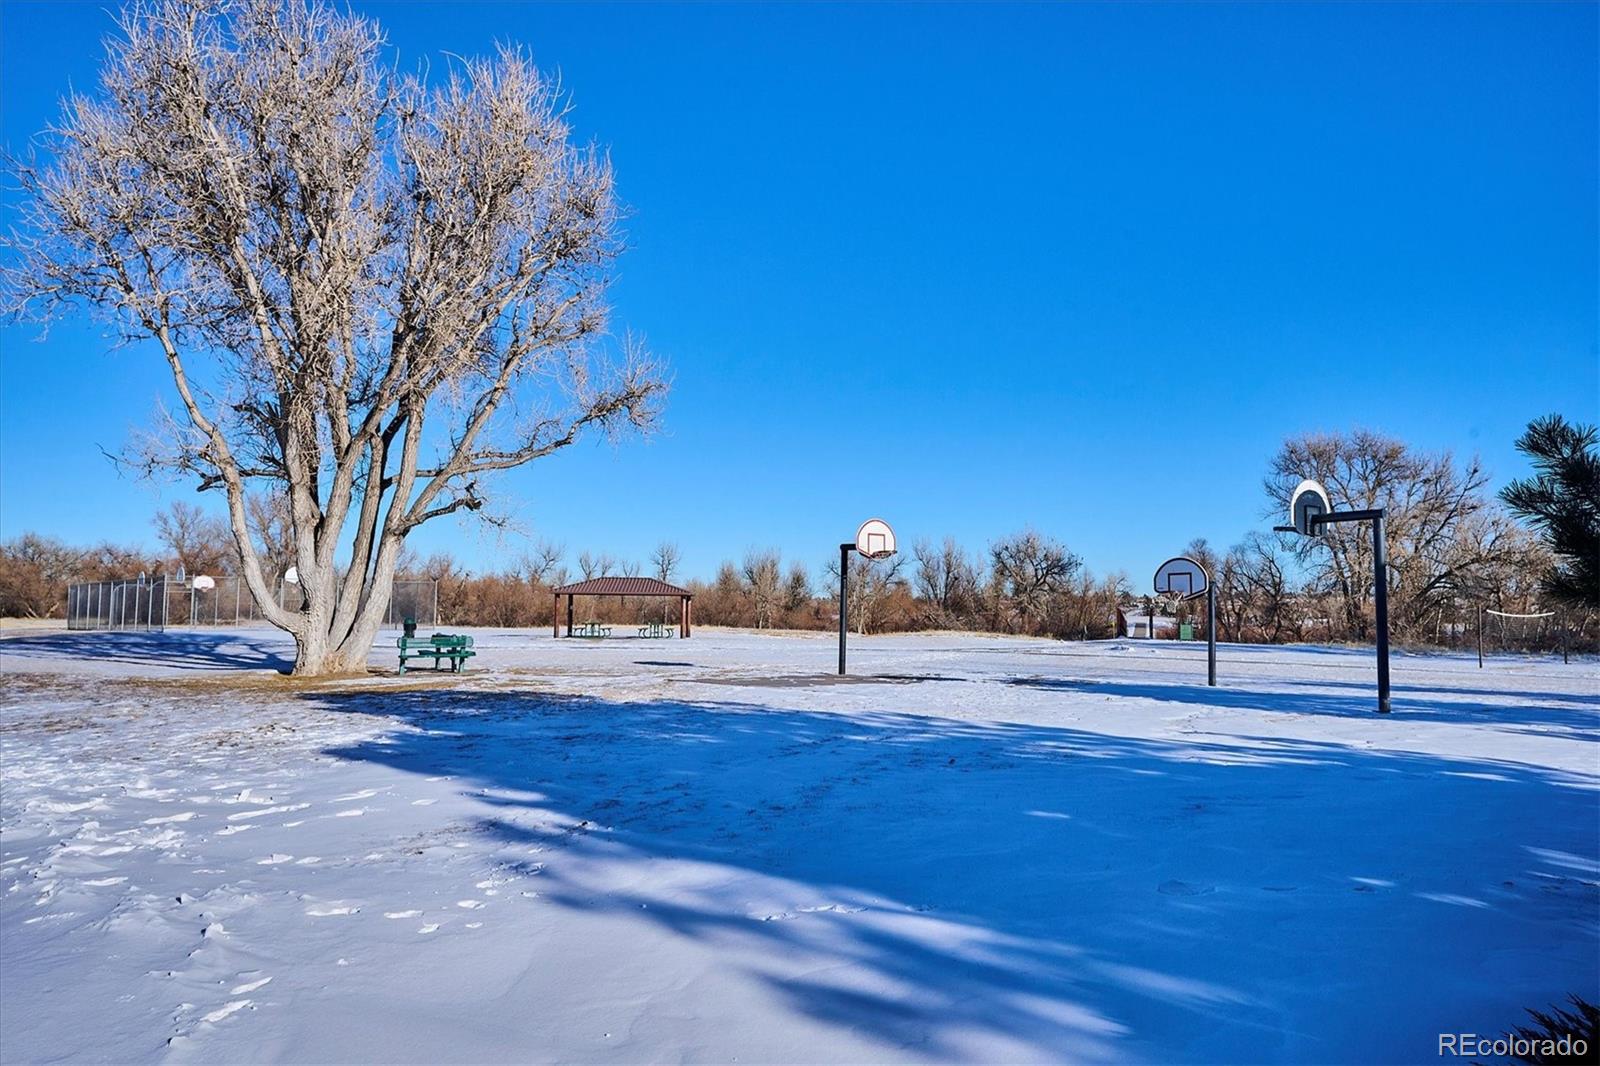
(1453, 550)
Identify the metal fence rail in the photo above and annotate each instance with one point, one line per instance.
(132, 605)
(153, 604)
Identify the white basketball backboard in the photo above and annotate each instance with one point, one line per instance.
(201, 581)
(1182, 577)
(875, 539)
(292, 575)
(1309, 499)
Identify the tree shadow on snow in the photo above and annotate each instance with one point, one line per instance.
(1577, 721)
(221, 650)
(954, 888)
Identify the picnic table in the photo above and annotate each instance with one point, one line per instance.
(441, 647)
(657, 629)
(589, 629)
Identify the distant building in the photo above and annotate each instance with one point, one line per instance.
(1132, 621)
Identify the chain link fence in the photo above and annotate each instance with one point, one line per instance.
(154, 604)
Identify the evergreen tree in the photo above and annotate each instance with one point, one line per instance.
(1562, 502)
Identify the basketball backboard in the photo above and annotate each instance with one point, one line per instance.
(875, 539)
(1182, 577)
(1308, 500)
(202, 582)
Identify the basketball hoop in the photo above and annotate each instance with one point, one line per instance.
(1308, 501)
(1184, 578)
(875, 540)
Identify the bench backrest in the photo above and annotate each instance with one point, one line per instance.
(438, 640)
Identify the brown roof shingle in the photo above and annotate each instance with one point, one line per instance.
(620, 586)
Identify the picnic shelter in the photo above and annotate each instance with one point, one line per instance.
(622, 586)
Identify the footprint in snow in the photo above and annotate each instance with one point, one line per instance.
(273, 860)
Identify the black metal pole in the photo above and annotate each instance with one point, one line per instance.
(844, 599)
(1380, 574)
(1211, 634)
(1480, 636)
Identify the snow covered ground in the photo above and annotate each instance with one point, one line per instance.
(713, 850)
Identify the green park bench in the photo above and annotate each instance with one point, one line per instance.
(657, 629)
(439, 647)
(589, 629)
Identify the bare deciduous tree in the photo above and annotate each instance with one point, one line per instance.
(665, 559)
(200, 543)
(270, 522)
(796, 588)
(1028, 572)
(1444, 535)
(871, 582)
(34, 572)
(541, 563)
(595, 564)
(765, 581)
(372, 292)
(947, 580)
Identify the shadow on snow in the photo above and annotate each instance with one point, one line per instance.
(183, 648)
(1576, 719)
(933, 883)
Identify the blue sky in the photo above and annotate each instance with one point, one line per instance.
(975, 268)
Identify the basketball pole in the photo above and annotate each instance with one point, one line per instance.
(1211, 633)
(1380, 581)
(844, 599)
(1380, 574)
